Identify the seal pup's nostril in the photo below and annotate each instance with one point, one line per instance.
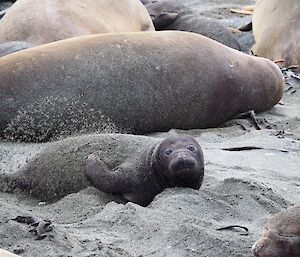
(182, 157)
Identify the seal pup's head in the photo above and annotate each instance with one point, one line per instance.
(179, 161)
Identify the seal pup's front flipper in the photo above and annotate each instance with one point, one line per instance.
(100, 176)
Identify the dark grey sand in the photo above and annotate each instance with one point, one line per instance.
(240, 188)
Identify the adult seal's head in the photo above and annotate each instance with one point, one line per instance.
(179, 160)
(281, 237)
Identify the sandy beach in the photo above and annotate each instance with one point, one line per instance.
(250, 174)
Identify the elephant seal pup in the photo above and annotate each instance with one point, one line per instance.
(281, 237)
(173, 15)
(39, 22)
(13, 46)
(143, 166)
(176, 162)
(276, 31)
(132, 81)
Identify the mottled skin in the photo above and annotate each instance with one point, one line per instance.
(42, 21)
(12, 46)
(176, 161)
(276, 30)
(281, 237)
(134, 79)
(140, 164)
(174, 15)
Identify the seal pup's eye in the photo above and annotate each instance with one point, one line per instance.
(168, 152)
(191, 148)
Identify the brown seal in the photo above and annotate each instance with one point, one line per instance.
(175, 162)
(38, 22)
(281, 237)
(142, 167)
(133, 81)
(276, 30)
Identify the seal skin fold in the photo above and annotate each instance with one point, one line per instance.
(143, 82)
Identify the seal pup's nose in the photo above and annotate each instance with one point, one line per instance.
(182, 157)
(182, 161)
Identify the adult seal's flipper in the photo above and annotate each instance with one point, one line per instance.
(246, 28)
(2, 13)
(163, 20)
(13, 46)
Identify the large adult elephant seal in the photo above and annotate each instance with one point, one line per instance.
(281, 237)
(138, 82)
(276, 30)
(174, 15)
(42, 21)
(142, 166)
(13, 46)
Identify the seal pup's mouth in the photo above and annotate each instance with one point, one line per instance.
(183, 167)
(181, 162)
(184, 172)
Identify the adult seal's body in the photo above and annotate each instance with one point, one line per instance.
(42, 21)
(173, 15)
(133, 81)
(142, 167)
(276, 30)
(12, 46)
(281, 237)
